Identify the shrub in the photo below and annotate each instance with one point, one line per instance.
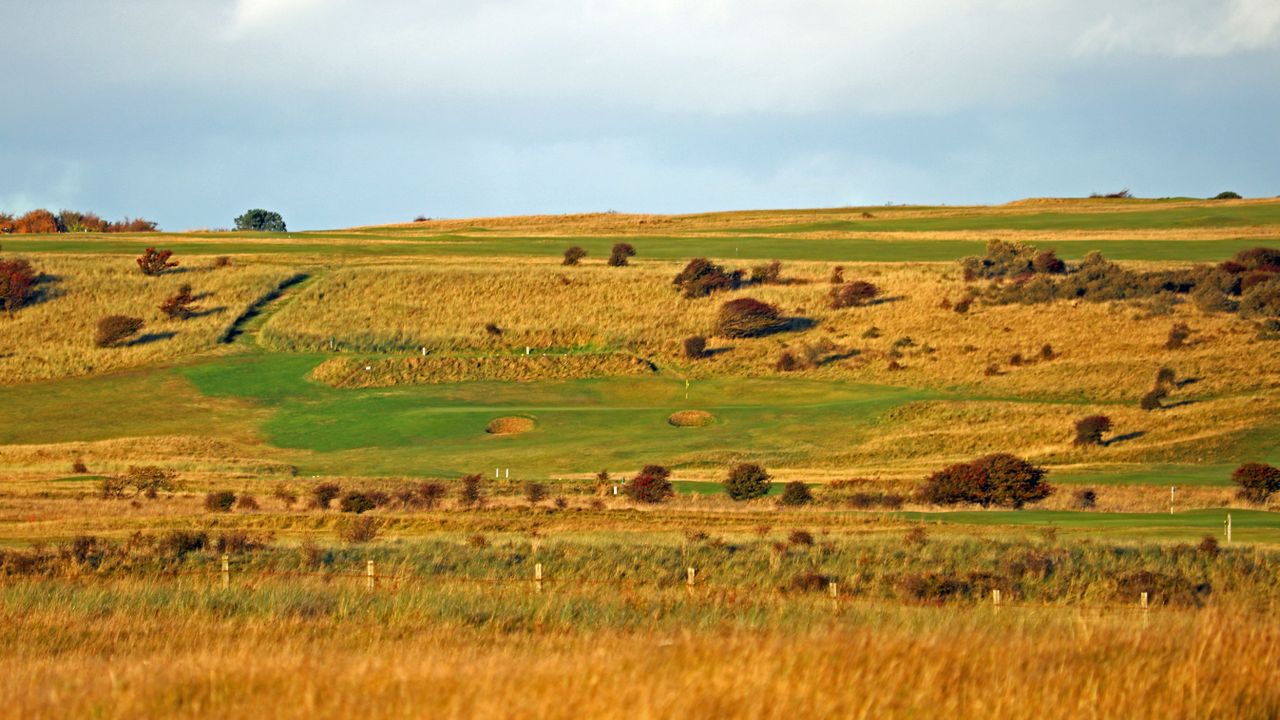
(767, 274)
(149, 480)
(359, 529)
(222, 261)
(1089, 430)
(811, 581)
(1000, 479)
(113, 329)
(471, 494)
(78, 467)
(247, 502)
(701, 277)
(535, 492)
(1209, 546)
(1262, 299)
(621, 253)
(1046, 352)
(286, 496)
(1084, 499)
(1152, 400)
(573, 255)
(651, 485)
(747, 481)
(356, 502)
(855, 294)
(695, 347)
(800, 537)
(177, 543)
(1178, 335)
(1257, 481)
(868, 500)
(1227, 195)
(795, 494)
(112, 487)
(219, 501)
(17, 283)
(1165, 376)
(180, 305)
(430, 494)
(261, 220)
(932, 586)
(1048, 263)
(1161, 589)
(747, 317)
(324, 493)
(154, 262)
(492, 329)
(1259, 258)
(37, 221)
(915, 537)
(788, 362)
(837, 275)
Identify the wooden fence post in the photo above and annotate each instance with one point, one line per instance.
(1228, 528)
(833, 590)
(995, 597)
(537, 576)
(368, 575)
(226, 571)
(692, 574)
(1144, 600)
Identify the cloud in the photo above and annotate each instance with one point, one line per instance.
(1185, 29)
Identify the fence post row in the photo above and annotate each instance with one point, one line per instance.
(226, 571)
(537, 576)
(368, 575)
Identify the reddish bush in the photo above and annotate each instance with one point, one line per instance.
(701, 277)
(154, 262)
(17, 283)
(573, 255)
(471, 494)
(621, 253)
(748, 317)
(837, 275)
(1000, 479)
(1048, 263)
(1257, 481)
(181, 305)
(854, 294)
(652, 485)
(37, 221)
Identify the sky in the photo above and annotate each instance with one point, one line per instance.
(347, 112)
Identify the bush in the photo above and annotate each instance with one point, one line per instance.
(79, 468)
(747, 317)
(154, 262)
(112, 487)
(17, 283)
(869, 500)
(180, 305)
(932, 587)
(324, 493)
(1001, 479)
(149, 480)
(261, 220)
(430, 494)
(747, 481)
(1262, 299)
(800, 537)
(220, 501)
(247, 502)
(177, 543)
(37, 221)
(701, 277)
(471, 494)
(1227, 195)
(1165, 376)
(621, 253)
(695, 347)
(535, 492)
(795, 494)
(113, 329)
(1257, 481)
(1089, 430)
(1161, 589)
(285, 495)
(356, 502)
(651, 485)
(1084, 499)
(1209, 546)
(767, 274)
(222, 261)
(837, 275)
(573, 255)
(855, 294)
(359, 529)
(811, 581)
(1178, 335)
(1152, 400)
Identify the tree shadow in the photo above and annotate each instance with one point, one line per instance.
(712, 352)
(1186, 381)
(886, 300)
(837, 357)
(210, 311)
(794, 324)
(1179, 403)
(1124, 438)
(149, 338)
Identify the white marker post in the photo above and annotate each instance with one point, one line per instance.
(1228, 528)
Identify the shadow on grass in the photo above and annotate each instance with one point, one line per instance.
(1124, 438)
(149, 338)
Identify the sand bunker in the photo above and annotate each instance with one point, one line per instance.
(691, 418)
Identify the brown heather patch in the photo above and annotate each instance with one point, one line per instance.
(511, 425)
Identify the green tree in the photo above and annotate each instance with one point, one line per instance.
(747, 481)
(260, 220)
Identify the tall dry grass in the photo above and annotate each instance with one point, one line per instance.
(54, 337)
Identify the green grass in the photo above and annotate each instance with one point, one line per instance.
(1247, 525)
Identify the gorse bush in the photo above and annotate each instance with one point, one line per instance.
(701, 277)
(1257, 482)
(219, 501)
(114, 329)
(767, 274)
(621, 254)
(795, 494)
(747, 481)
(356, 502)
(261, 220)
(855, 294)
(1089, 430)
(695, 347)
(324, 493)
(180, 305)
(651, 485)
(748, 317)
(154, 262)
(1001, 479)
(573, 255)
(1006, 259)
(17, 284)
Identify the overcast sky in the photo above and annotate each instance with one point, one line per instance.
(345, 112)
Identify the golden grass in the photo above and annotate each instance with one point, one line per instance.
(63, 662)
(347, 372)
(691, 418)
(510, 425)
(55, 337)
